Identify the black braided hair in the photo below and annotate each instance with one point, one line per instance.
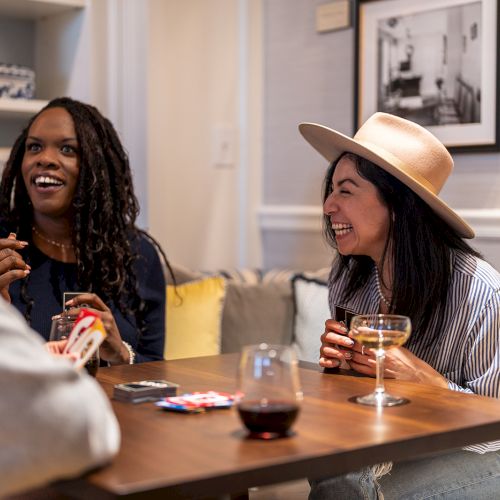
(104, 204)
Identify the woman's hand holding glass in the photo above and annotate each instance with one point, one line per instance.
(12, 265)
(337, 349)
(401, 364)
(112, 349)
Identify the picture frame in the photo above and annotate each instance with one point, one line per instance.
(434, 62)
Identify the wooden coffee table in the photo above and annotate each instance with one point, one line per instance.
(171, 455)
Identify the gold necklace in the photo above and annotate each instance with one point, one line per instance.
(52, 242)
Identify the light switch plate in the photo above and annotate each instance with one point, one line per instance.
(223, 145)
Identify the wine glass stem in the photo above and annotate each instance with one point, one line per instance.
(379, 385)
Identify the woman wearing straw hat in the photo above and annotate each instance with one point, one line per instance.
(402, 250)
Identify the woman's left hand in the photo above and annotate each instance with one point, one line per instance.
(399, 363)
(112, 349)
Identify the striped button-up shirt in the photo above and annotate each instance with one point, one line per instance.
(468, 351)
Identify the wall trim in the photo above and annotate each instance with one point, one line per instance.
(250, 104)
(485, 222)
(126, 88)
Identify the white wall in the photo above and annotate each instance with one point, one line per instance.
(193, 75)
(197, 58)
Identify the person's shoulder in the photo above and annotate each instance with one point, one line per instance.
(150, 255)
(476, 269)
(146, 246)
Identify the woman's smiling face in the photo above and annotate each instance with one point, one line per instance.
(357, 214)
(51, 163)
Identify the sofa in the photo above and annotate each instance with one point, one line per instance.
(221, 311)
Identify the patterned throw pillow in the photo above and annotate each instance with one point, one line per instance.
(194, 314)
(311, 312)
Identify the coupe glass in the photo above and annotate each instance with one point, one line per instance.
(379, 332)
(61, 328)
(268, 396)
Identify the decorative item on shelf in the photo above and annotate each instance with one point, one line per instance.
(16, 82)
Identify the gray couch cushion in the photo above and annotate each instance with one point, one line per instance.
(255, 313)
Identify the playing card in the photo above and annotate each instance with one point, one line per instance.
(344, 315)
(68, 296)
(81, 324)
(86, 336)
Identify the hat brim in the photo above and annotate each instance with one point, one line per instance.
(331, 145)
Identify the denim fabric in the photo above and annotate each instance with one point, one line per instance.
(461, 475)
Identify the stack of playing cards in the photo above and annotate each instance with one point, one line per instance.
(197, 402)
(145, 390)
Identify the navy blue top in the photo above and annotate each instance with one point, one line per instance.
(49, 278)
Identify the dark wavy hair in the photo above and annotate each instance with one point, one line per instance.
(104, 204)
(420, 244)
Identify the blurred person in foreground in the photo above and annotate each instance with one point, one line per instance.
(402, 250)
(56, 422)
(68, 220)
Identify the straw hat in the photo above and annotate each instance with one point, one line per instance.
(402, 148)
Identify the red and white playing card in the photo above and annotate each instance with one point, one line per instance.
(85, 337)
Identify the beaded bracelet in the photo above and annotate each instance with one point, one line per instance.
(131, 352)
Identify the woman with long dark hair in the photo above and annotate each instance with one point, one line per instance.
(402, 251)
(68, 216)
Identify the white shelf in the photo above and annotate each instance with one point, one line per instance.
(36, 9)
(55, 31)
(20, 108)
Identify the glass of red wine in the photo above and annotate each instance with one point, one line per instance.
(61, 328)
(268, 396)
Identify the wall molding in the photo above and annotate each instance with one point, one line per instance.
(485, 222)
(126, 66)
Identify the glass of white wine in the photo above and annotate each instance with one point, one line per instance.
(380, 332)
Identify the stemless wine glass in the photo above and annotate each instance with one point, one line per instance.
(61, 328)
(379, 332)
(268, 396)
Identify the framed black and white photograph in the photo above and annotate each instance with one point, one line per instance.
(433, 62)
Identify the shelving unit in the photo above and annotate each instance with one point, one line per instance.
(54, 29)
(37, 9)
(20, 108)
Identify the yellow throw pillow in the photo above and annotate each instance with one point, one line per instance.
(194, 316)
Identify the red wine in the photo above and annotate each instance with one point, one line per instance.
(91, 366)
(276, 417)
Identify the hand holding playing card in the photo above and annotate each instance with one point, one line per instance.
(336, 346)
(78, 338)
(113, 350)
(56, 348)
(86, 336)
